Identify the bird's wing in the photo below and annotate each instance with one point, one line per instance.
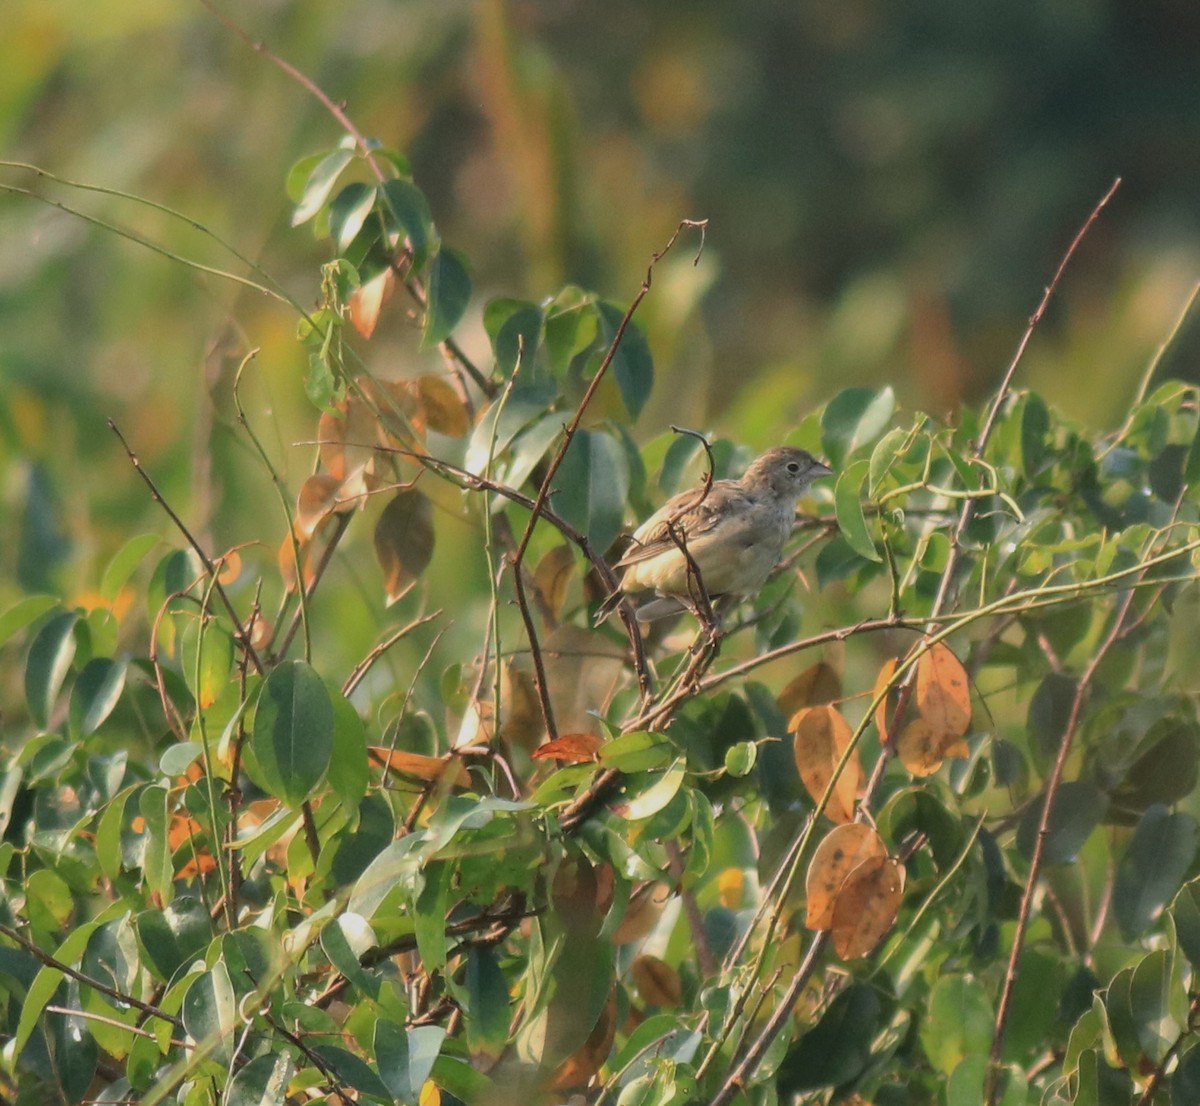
(691, 516)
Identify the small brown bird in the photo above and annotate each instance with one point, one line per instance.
(735, 535)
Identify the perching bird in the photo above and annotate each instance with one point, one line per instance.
(735, 536)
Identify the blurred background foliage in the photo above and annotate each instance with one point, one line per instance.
(889, 188)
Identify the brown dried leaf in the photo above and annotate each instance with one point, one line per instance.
(552, 575)
(943, 693)
(367, 301)
(287, 562)
(821, 736)
(445, 412)
(817, 684)
(883, 712)
(420, 767)
(316, 501)
(396, 408)
(645, 905)
(657, 982)
(573, 748)
(866, 906)
(346, 437)
(842, 850)
(404, 540)
(919, 749)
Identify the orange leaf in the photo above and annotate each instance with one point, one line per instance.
(230, 567)
(404, 540)
(821, 736)
(287, 562)
(883, 711)
(367, 301)
(317, 499)
(817, 684)
(574, 748)
(418, 766)
(731, 888)
(919, 749)
(866, 906)
(657, 982)
(347, 436)
(943, 694)
(842, 850)
(445, 412)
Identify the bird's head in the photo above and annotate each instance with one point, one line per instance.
(786, 470)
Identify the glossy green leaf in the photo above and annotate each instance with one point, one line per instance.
(322, 176)
(1155, 863)
(448, 294)
(847, 501)
(1185, 911)
(740, 758)
(349, 770)
(429, 913)
(95, 695)
(354, 1071)
(348, 211)
(24, 612)
(591, 486)
(515, 328)
(661, 790)
(409, 212)
(641, 751)
(632, 365)
(853, 418)
(207, 656)
(292, 737)
(572, 322)
(884, 457)
(490, 1005)
(49, 661)
(210, 1010)
(261, 1082)
(406, 1057)
(1158, 1003)
(175, 935)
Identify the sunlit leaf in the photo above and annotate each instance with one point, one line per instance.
(817, 684)
(839, 853)
(820, 737)
(322, 176)
(123, 564)
(847, 501)
(420, 767)
(865, 906)
(919, 748)
(1159, 856)
(404, 540)
(348, 211)
(943, 693)
(48, 663)
(575, 748)
(316, 502)
(366, 302)
(883, 712)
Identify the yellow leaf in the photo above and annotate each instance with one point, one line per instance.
(943, 694)
(821, 735)
(919, 749)
(866, 906)
(817, 684)
(316, 501)
(883, 712)
(842, 850)
(551, 577)
(731, 888)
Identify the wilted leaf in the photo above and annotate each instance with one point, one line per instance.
(645, 906)
(367, 301)
(347, 436)
(821, 735)
(579, 1068)
(229, 567)
(842, 850)
(575, 748)
(316, 502)
(287, 562)
(443, 408)
(420, 767)
(883, 712)
(943, 693)
(817, 684)
(866, 906)
(404, 540)
(552, 575)
(919, 749)
(657, 982)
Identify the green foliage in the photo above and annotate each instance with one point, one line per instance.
(954, 861)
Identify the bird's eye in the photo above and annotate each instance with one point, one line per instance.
(793, 466)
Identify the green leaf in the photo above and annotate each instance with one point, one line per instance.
(24, 612)
(1186, 912)
(293, 731)
(741, 758)
(958, 1022)
(156, 863)
(883, 457)
(50, 657)
(261, 1082)
(515, 328)
(448, 294)
(351, 1069)
(1158, 1003)
(853, 418)
(1078, 808)
(406, 1057)
(632, 364)
(489, 1003)
(349, 770)
(210, 1010)
(429, 913)
(123, 564)
(1035, 425)
(847, 501)
(348, 211)
(322, 176)
(1158, 858)
(658, 794)
(640, 751)
(95, 694)
(335, 941)
(591, 486)
(838, 1048)
(571, 326)
(1185, 1080)
(174, 936)
(409, 211)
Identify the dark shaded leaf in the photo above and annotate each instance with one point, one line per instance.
(49, 661)
(838, 1048)
(1148, 877)
(632, 365)
(448, 294)
(292, 737)
(1078, 808)
(404, 540)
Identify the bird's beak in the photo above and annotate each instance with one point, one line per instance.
(820, 469)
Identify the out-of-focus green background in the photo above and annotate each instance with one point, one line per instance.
(889, 187)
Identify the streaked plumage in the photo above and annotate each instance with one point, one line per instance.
(735, 534)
